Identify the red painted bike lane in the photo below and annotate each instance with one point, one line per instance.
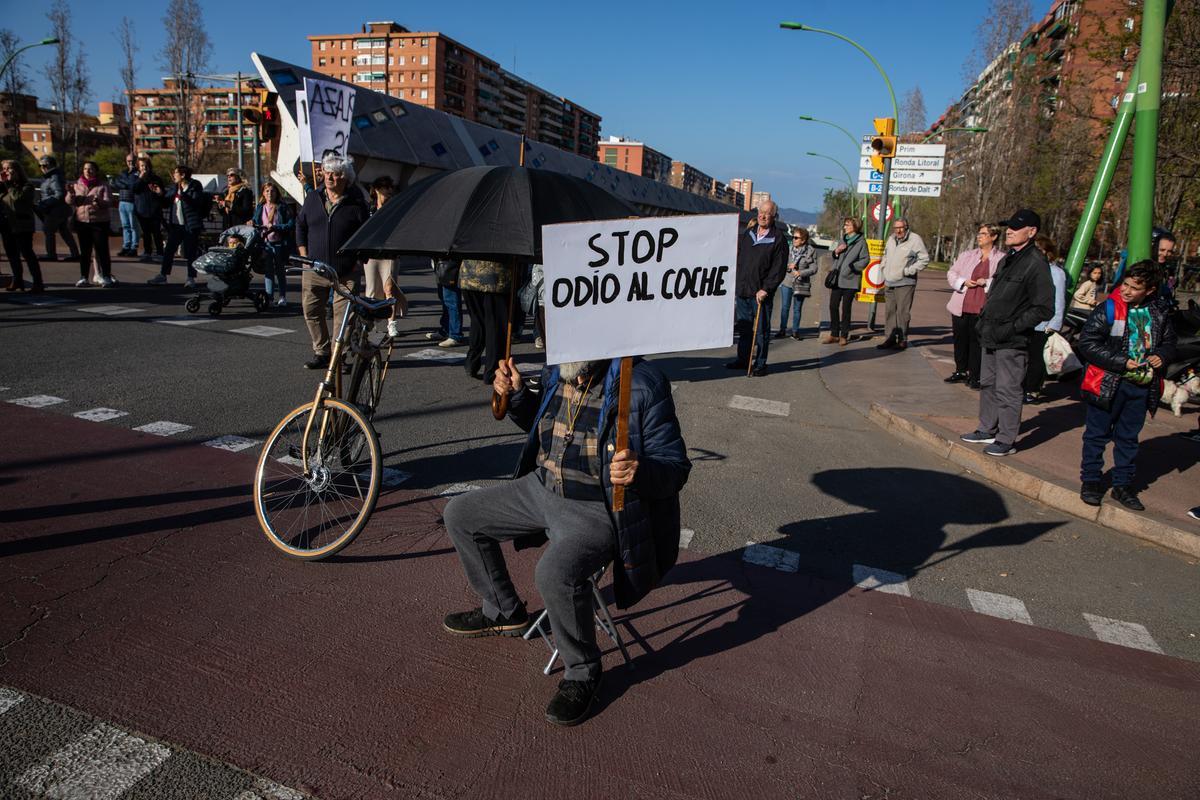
(137, 586)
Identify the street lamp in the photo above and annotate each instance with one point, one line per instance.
(800, 26)
(20, 50)
(849, 180)
(952, 130)
(853, 142)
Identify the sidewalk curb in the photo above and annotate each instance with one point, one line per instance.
(1046, 492)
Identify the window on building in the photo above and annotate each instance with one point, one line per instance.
(424, 43)
(343, 61)
(424, 77)
(343, 44)
(424, 60)
(391, 61)
(401, 61)
(1129, 24)
(424, 94)
(321, 62)
(1120, 75)
(322, 46)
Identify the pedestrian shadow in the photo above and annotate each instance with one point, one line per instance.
(1163, 456)
(1048, 423)
(490, 462)
(900, 532)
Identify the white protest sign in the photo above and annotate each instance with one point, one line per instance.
(302, 127)
(330, 109)
(638, 286)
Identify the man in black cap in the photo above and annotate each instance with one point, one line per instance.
(1021, 296)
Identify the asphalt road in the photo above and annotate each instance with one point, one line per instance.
(779, 462)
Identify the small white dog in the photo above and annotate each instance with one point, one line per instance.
(1175, 394)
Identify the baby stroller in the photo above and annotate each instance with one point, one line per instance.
(230, 271)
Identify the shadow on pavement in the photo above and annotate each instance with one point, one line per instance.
(903, 525)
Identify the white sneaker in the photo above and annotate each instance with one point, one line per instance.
(190, 283)
(539, 343)
(281, 302)
(394, 328)
(82, 283)
(450, 342)
(157, 280)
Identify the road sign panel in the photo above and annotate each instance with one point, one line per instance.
(909, 189)
(907, 162)
(927, 150)
(903, 176)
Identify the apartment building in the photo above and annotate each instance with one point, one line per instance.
(685, 176)
(431, 69)
(635, 157)
(213, 118)
(744, 187)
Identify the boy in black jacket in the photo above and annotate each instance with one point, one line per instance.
(1127, 342)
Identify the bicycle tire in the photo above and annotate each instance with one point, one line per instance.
(365, 385)
(309, 517)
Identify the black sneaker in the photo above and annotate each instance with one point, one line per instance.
(317, 362)
(572, 702)
(1128, 498)
(759, 372)
(956, 377)
(1194, 513)
(473, 623)
(1091, 493)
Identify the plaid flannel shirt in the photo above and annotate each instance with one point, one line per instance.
(571, 468)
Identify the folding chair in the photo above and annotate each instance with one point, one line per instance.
(604, 622)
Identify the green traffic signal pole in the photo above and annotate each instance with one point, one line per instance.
(1145, 140)
(20, 50)
(853, 142)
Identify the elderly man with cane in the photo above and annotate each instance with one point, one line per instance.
(762, 255)
(563, 492)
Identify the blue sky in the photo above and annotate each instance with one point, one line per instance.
(718, 85)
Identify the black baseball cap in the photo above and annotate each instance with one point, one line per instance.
(1023, 218)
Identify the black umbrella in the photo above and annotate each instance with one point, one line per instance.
(482, 212)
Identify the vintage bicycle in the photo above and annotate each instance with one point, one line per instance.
(319, 472)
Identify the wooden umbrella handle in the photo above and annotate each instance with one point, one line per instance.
(500, 401)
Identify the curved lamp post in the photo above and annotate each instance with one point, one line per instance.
(853, 142)
(800, 26)
(20, 50)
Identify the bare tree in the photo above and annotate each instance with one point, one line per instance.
(59, 71)
(1004, 22)
(127, 42)
(913, 116)
(16, 82)
(78, 92)
(186, 53)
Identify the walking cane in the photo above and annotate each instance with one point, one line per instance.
(754, 347)
(500, 401)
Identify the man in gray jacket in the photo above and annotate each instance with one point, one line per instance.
(904, 256)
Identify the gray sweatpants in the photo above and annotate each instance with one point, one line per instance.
(899, 310)
(581, 542)
(1000, 376)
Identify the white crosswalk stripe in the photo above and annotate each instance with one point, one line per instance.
(101, 765)
(776, 407)
(9, 698)
(109, 311)
(267, 790)
(685, 537)
(880, 580)
(765, 555)
(1126, 634)
(100, 414)
(184, 320)
(38, 401)
(163, 428)
(260, 330)
(231, 443)
(437, 354)
(391, 478)
(458, 488)
(999, 605)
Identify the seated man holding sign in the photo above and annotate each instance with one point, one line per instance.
(563, 492)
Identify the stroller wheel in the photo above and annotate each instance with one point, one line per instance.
(192, 305)
(214, 308)
(261, 301)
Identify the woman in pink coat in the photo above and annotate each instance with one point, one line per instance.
(970, 277)
(91, 199)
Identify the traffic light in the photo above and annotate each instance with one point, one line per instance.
(884, 143)
(268, 115)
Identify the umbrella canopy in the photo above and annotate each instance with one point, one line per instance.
(482, 212)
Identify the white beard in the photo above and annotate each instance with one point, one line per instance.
(570, 370)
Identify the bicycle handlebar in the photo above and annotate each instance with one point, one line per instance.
(329, 273)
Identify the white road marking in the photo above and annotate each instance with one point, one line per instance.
(42, 300)
(109, 311)
(880, 580)
(3, 388)
(100, 414)
(268, 790)
(437, 354)
(231, 443)
(458, 488)
(756, 404)
(685, 537)
(101, 765)
(184, 320)
(764, 555)
(999, 605)
(261, 330)
(38, 401)
(1126, 634)
(9, 698)
(391, 478)
(163, 428)
(291, 461)
(946, 360)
